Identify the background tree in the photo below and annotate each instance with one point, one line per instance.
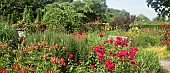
(162, 7)
(92, 9)
(16, 7)
(158, 19)
(142, 17)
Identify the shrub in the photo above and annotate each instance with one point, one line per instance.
(8, 34)
(148, 60)
(62, 16)
(145, 40)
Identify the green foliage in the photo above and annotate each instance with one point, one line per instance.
(28, 15)
(143, 18)
(62, 16)
(16, 7)
(147, 39)
(158, 19)
(160, 6)
(148, 60)
(7, 34)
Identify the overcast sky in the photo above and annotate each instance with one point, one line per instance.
(133, 6)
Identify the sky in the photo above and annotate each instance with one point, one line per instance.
(135, 7)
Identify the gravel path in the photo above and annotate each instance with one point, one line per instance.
(165, 64)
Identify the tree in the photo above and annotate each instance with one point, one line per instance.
(162, 7)
(158, 19)
(92, 9)
(142, 17)
(17, 6)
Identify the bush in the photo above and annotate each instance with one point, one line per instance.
(62, 16)
(146, 39)
(149, 61)
(8, 34)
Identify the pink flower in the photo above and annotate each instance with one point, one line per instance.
(70, 57)
(92, 66)
(79, 61)
(14, 51)
(54, 59)
(100, 56)
(24, 69)
(55, 46)
(164, 26)
(62, 62)
(116, 46)
(109, 65)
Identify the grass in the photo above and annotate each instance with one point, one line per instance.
(162, 52)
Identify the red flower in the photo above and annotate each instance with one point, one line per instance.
(24, 69)
(92, 66)
(168, 32)
(161, 39)
(132, 52)
(109, 41)
(62, 62)
(166, 42)
(20, 58)
(100, 56)
(70, 57)
(55, 46)
(79, 61)
(4, 71)
(111, 53)
(32, 68)
(39, 21)
(106, 41)
(54, 59)
(164, 26)
(101, 34)
(46, 55)
(109, 65)
(132, 61)
(120, 41)
(14, 65)
(124, 53)
(24, 51)
(45, 72)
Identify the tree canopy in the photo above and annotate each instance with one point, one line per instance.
(162, 7)
(16, 7)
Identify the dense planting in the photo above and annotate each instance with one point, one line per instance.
(80, 36)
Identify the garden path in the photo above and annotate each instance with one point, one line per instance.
(165, 64)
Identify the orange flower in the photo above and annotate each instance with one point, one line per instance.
(14, 51)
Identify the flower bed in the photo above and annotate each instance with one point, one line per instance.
(76, 54)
